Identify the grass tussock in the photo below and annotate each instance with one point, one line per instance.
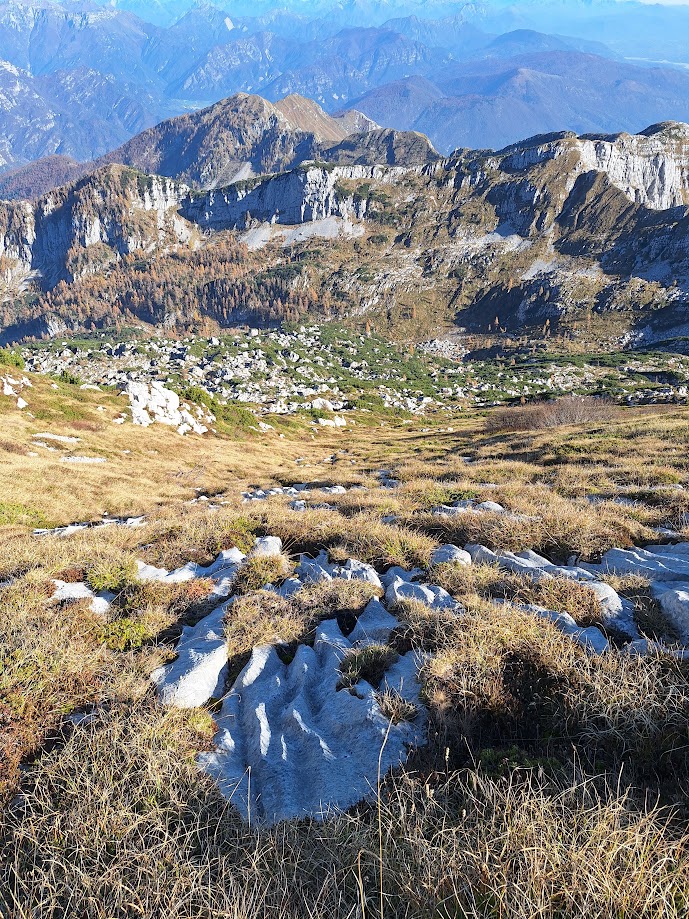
(368, 663)
(505, 675)
(647, 612)
(361, 536)
(546, 522)
(395, 707)
(489, 581)
(262, 617)
(119, 821)
(260, 570)
(112, 575)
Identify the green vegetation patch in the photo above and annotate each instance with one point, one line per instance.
(19, 513)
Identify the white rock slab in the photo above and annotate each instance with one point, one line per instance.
(374, 625)
(291, 745)
(199, 671)
(396, 571)
(314, 570)
(450, 554)
(658, 563)
(354, 570)
(431, 595)
(84, 460)
(222, 571)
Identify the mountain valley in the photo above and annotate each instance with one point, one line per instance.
(344, 468)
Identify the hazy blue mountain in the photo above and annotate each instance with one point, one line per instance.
(81, 78)
(492, 101)
(78, 113)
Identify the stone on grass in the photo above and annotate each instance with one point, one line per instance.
(266, 545)
(450, 554)
(70, 593)
(222, 571)
(199, 671)
(674, 604)
(398, 572)
(591, 638)
(373, 625)
(314, 570)
(435, 597)
(354, 570)
(658, 563)
(616, 614)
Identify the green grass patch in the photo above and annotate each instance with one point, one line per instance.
(112, 575)
(19, 513)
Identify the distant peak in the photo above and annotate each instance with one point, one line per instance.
(677, 130)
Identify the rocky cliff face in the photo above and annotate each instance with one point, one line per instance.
(557, 226)
(78, 228)
(305, 194)
(651, 168)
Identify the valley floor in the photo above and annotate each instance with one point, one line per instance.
(554, 780)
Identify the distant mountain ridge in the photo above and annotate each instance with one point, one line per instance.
(80, 80)
(235, 139)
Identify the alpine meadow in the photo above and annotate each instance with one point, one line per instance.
(344, 459)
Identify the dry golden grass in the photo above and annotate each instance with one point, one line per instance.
(262, 617)
(363, 536)
(143, 470)
(119, 822)
(261, 570)
(556, 593)
(495, 819)
(501, 676)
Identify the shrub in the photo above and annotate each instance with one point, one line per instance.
(9, 358)
(66, 376)
(539, 416)
(125, 634)
(112, 575)
(227, 415)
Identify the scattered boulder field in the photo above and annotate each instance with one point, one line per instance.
(328, 371)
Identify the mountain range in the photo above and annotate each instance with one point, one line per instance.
(236, 139)
(78, 80)
(567, 235)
